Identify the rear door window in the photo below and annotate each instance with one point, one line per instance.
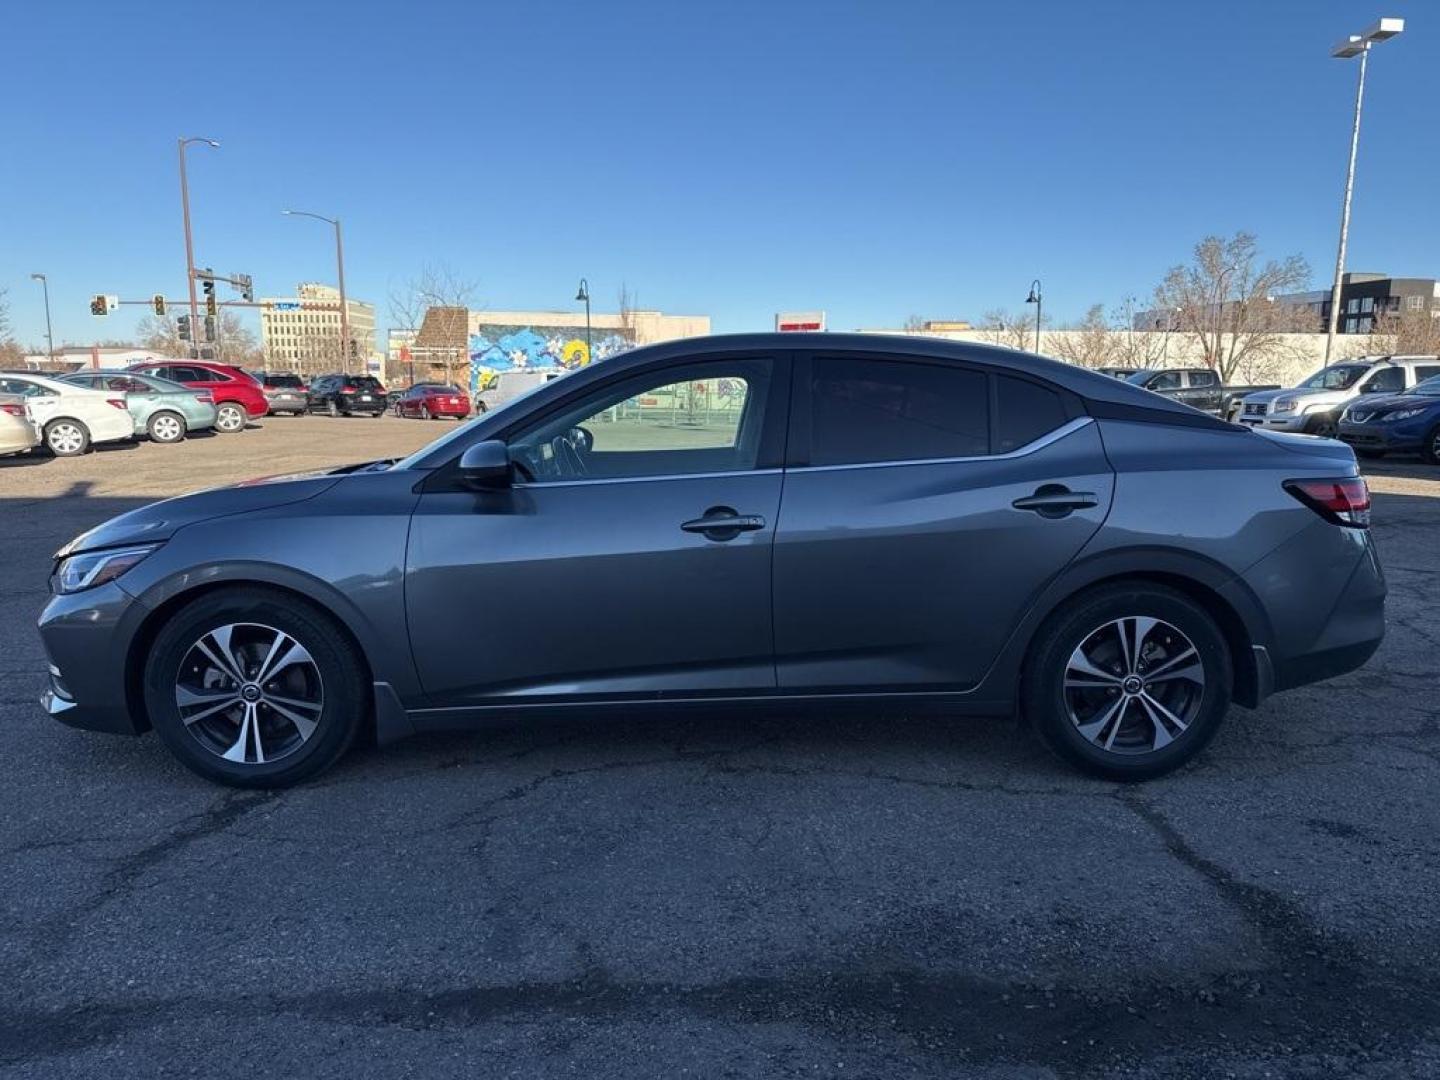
(1166, 380)
(866, 409)
(1386, 380)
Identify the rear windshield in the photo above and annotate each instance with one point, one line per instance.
(363, 382)
(283, 380)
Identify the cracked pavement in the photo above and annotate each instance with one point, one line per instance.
(757, 896)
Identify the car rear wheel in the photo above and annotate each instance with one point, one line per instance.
(332, 408)
(425, 413)
(1431, 450)
(1128, 681)
(251, 687)
(166, 427)
(229, 418)
(66, 437)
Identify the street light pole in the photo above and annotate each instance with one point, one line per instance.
(49, 338)
(584, 294)
(189, 240)
(340, 274)
(1354, 45)
(1035, 298)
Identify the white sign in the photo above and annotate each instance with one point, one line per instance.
(112, 304)
(790, 322)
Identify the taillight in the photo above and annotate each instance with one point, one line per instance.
(205, 399)
(1345, 501)
(12, 408)
(117, 402)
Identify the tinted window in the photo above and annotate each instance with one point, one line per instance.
(282, 380)
(883, 410)
(1335, 377)
(183, 374)
(1202, 378)
(1426, 372)
(1024, 411)
(20, 386)
(700, 419)
(1166, 380)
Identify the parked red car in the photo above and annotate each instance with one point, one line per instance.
(430, 401)
(238, 397)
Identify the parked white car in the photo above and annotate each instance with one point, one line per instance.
(1314, 407)
(17, 434)
(70, 418)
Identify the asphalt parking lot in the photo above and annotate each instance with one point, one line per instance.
(766, 896)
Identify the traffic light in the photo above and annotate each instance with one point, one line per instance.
(209, 328)
(159, 302)
(211, 307)
(183, 325)
(99, 306)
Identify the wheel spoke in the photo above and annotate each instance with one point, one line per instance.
(228, 703)
(1093, 729)
(238, 751)
(224, 660)
(280, 644)
(295, 654)
(185, 697)
(294, 703)
(303, 724)
(1155, 708)
(1194, 672)
(1143, 624)
(1155, 672)
(1083, 664)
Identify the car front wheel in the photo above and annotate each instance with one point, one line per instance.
(1431, 450)
(1128, 681)
(252, 687)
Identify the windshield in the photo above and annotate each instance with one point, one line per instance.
(460, 433)
(1429, 388)
(1335, 377)
(1138, 377)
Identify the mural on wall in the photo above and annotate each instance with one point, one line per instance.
(536, 348)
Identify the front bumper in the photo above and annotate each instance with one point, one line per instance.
(1382, 436)
(1283, 422)
(87, 638)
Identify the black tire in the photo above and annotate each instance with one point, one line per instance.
(425, 413)
(1043, 698)
(332, 408)
(1430, 452)
(66, 437)
(1325, 425)
(1370, 455)
(344, 704)
(166, 427)
(230, 418)
(479, 407)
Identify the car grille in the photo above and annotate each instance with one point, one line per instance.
(1255, 409)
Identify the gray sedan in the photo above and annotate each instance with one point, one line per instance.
(764, 521)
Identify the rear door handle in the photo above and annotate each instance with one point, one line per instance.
(723, 523)
(1056, 500)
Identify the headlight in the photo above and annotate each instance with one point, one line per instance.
(1284, 405)
(1406, 414)
(93, 568)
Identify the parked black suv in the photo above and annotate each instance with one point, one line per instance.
(341, 395)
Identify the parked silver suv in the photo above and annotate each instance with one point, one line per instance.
(1314, 407)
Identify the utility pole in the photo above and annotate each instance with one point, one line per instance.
(189, 240)
(49, 338)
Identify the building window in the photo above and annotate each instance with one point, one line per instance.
(1367, 305)
(1415, 303)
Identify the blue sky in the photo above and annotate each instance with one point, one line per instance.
(873, 159)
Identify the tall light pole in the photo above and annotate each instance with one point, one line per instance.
(189, 240)
(1035, 298)
(340, 272)
(1354, 45)
(49, 339)
(584, 294)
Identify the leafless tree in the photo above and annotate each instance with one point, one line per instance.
(1015, 331)
(914, 324)
(625, 304)
(1224, 298)
(1414, 332)
(234, 343)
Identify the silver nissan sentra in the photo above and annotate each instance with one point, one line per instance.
(761, 520)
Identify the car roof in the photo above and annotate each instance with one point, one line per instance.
(1088, 384)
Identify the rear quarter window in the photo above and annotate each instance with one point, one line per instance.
(1024, 412)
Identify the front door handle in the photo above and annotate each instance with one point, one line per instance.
(723, 523)
(1056, 500)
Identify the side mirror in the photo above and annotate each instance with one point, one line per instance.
(486, 466)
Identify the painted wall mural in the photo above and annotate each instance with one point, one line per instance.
(536, 348)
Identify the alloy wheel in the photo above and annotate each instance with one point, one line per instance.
(1134, 685)
(65, 438)
(230, 418)
(249, 693)
(166, 429)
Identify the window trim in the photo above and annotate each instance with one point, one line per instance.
(801, 408)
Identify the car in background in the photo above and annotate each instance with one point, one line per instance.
(1407, 422)
(238, 397)
(17, 433)
(431, 401)
(506, 386)
(1119, 372)
(286, 391)
(1314, 406)
(766, 520)
(1198, 387)
(345, 395)
(164, 411)
(70, 418)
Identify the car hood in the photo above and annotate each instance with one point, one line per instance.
(161, 520)
(1374, 403)
(1263, 395)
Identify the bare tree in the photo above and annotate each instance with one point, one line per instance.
(625, 304)
(1090, 342)
(1224, 298)
(914, 324)
(4, 314)
(234, 343)
(1015, 331)
(1415, 331)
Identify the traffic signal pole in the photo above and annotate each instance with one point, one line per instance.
(189, 250)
